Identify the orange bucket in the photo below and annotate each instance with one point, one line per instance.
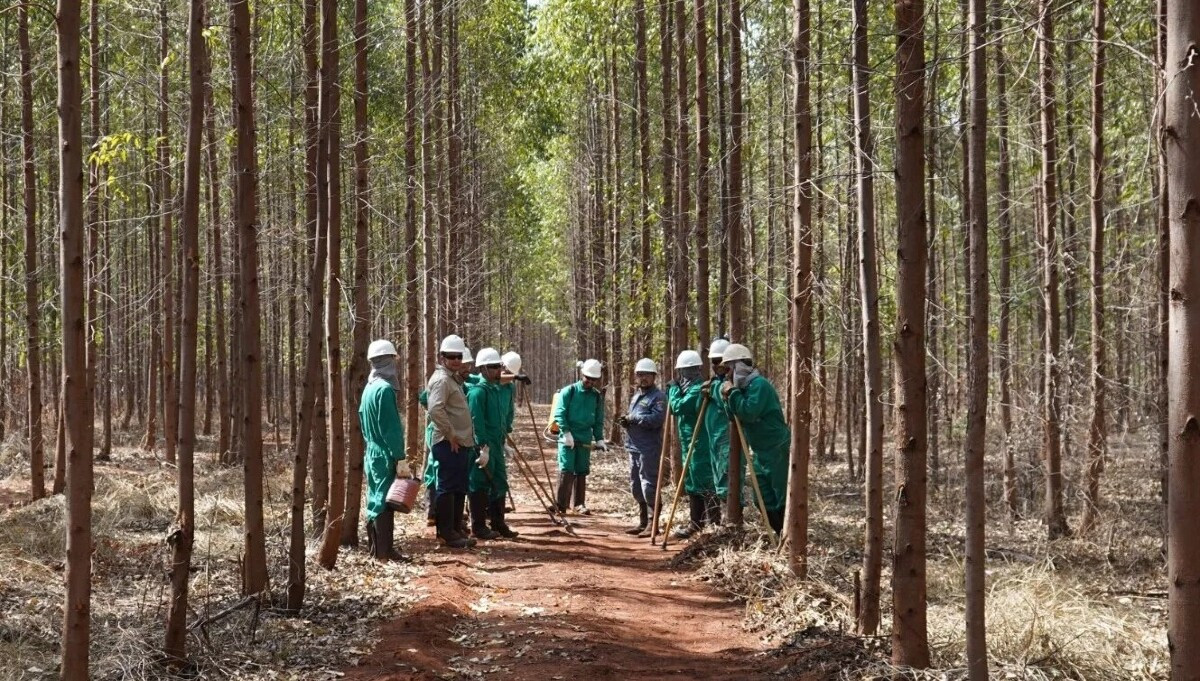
(402, 495)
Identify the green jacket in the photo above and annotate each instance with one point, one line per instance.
(507, 393)
(581, 411)
(758, 408)
(685, 405)
(483, 399)
(383, 433)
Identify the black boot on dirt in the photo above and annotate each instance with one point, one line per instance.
(385, 533)
(712, 509)
(643, 520)
(431, 513)
(581, 495)
(695, 517)
(566, 482)
(446, 520)
(775, 520)
(497, 510)
(479, 528)
(461, 522)
(372, 538)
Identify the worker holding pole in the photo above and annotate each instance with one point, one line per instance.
(687, 400)
(751, 401)
(716, 420)
(579, 415)
(643, 424)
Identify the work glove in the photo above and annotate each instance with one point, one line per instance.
(707, 385)
(403, 470)
(600, 445)
(482, 462)
(726, 388)
(524, 378)
(509, 452)
(623, 420)
(568, 439)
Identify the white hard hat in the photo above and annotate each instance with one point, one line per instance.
(645, 365)
(591, 368)
(487, 357)
(688, 358)
(717, 349)
(381, 348)
(512, 362)
(452, 344)
(735, 352)
(468, 358)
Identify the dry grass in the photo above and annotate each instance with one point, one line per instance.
(132, 510)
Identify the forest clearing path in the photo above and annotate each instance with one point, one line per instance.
(598, 605)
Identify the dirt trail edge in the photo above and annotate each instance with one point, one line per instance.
(551, 606)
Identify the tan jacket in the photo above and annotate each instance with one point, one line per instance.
(448, 410)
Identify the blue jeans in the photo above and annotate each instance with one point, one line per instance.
(452, 468)
(643, 476)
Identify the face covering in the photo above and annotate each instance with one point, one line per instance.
(384, 369)
(743, 373)
(688, 376)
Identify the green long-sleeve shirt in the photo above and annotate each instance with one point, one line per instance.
(580, 410)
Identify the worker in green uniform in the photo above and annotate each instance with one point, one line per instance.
(716, 425)
(487, 483)
(751, 399)
(383, 459)
(579, 414)
(685, 397)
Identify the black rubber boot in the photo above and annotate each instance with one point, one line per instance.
(372, 538)
(712, 505)
(775, 519)
(385, 534)
(581, 495)
(496, 511)
(446, 520)
(479, 513)
(566, 482)
(643, 519)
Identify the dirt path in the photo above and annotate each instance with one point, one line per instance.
(597, 605)
(552, 606)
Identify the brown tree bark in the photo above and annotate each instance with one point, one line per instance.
(1164, 259)
(1004, 218)
(245, 220)
(739, 271)
(683, 195)
(1182, 146)
(414, 325)
(977, 370)
(1056, 521)
(802, 285)
(72, 273)
(864, 152)
(357, 370)
(166, 273)
(93, 218)
(910, 639)
(667, 214)
(1097, 430)
(331, 195)
(181, 537)
(644, 187)
(33, 349)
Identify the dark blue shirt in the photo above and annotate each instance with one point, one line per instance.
(647, 411)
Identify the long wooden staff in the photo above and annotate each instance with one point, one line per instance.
(683, 470)
(538, 440)
(544, 497)
(762, 507)
(668, 429)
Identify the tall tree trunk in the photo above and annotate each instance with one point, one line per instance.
(331, 193)
(802, 285)
(683, 197)
(739, 271)
(93, 320)
(245, 219)
(33, 315)
(167, 271)
(910, 640)
(644, 187)
(977, 370)
(703, 312)
(868, 615)
(667, 214)
(78, 429)
(1182, 139)
(182, 536)
(357, 370)
(1056, 521)
(1164, 261)
(1097, 432)
(413, 373)
(1004, 217)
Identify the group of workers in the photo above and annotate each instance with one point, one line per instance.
(470, 408)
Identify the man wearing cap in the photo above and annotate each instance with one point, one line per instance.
(579, 414)
(383, 459)
(686, 399)
(453, 439)
(643, 426)
(751, 401)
